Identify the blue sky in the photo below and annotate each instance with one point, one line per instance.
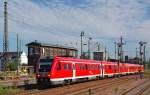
(61, 21)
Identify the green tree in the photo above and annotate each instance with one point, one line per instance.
(12, 65)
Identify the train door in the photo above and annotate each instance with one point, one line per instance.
(102, 70)
(74, 70)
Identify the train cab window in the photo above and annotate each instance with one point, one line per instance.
(58, 66)
(45, 65)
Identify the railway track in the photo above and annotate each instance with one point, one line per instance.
(140, 88)
(92, 89)
(78, 88)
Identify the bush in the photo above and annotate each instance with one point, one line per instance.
(2, 90)
(8, 90)
(12, 65)
(147, 73)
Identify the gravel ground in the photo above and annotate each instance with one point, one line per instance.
(115, 86)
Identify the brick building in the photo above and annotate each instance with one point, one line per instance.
(37, 51)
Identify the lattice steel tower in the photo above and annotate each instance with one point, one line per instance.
(5, 37)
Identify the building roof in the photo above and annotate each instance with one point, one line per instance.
(9, 53)
(49, 45)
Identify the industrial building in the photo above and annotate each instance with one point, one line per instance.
(38, 50)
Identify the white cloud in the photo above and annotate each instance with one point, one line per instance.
(57, 22)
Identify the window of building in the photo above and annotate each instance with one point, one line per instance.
(55, 52)
(30, 51)
(36, 50)
(63, 52)
(59, 52)
(70, 52)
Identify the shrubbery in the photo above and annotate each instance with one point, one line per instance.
(8, 90)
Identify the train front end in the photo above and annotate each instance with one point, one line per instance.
(43, 71)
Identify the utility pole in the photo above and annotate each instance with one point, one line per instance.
(120, 50)
(121, 42)
(5, 38)
(82, 34)
(136, 53)
(98, 46)
(17, 55)
(142, 52)
(144, 55)
(105, 53)
(137, 56)
(89, 50)
(115, 49)
(20, 48)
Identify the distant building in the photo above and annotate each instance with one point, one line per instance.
(134, 60)
(98, 56)
(11, 56)
(37, 51)
(23, 59)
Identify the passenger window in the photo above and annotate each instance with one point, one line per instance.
(109, 67)
(80, 67)
(59, 67)
(69, 66)
(86, 66)
(65, 66)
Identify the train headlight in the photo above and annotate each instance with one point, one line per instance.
(48, 75)
(38, 75)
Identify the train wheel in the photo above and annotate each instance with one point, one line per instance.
(69, 81)
(63, 83)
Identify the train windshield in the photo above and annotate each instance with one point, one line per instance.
(45, 65)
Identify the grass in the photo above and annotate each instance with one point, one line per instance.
(147, 73)
(9, 90)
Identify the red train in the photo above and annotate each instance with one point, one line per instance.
(63, 70)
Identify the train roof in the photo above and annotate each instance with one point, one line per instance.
(93, 61)
(82, 60)
(75, 59)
